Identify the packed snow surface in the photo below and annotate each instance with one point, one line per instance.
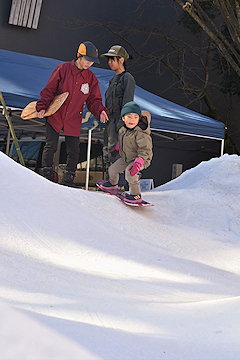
(83, 276)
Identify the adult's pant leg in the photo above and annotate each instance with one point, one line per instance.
(72, 149)
(105, 151)
(110, 139)
(112, 133)
(50, 147)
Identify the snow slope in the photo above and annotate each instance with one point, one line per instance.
(106, 281)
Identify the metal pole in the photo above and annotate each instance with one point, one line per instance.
(8, 142)
(88, 158)
(12, 130)
(222, 147)
(89, 151)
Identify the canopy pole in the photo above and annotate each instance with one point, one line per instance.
(88, 158)
(8, 143)
(89, 151)
(12, 130)
(222, 147)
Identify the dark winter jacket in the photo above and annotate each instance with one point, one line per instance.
(120, 91)
(136, 142)
(82, 86)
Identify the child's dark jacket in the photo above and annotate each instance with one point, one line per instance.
(136, 142)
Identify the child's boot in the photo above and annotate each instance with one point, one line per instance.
(108, 186)
(133, 198)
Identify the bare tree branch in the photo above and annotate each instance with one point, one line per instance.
(222, 44)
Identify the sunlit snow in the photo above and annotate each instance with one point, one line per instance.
(83, 276)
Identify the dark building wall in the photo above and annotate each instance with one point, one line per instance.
(59, 32)
(61, 29)
(58, 35)
(186, 151)
(52, 38)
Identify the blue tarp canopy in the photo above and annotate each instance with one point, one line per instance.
(22, 77)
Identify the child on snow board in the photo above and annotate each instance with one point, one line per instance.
(135, 149)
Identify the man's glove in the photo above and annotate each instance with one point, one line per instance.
(136, 166)
(115, 151)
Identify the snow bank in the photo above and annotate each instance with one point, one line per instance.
(116, 282)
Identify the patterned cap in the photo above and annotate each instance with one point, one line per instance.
(89, 51)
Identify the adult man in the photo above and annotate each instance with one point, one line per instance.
(82, 85)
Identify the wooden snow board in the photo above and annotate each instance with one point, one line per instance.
(30, 112)
(120, 195)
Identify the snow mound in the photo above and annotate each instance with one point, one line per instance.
(207, 195)
(99, 278)
(22, 338)
(218, 173)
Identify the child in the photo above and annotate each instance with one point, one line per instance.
(135, 149)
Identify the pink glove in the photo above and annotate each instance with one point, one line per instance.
(138, 163)
(114, 151)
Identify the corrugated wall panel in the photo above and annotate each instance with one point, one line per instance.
(25, 13)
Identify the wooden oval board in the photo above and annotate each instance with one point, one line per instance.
(30, 112)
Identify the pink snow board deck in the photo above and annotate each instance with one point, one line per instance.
(120, 195)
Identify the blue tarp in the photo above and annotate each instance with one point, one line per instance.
(23, 76)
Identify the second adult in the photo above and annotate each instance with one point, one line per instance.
(119, 92)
